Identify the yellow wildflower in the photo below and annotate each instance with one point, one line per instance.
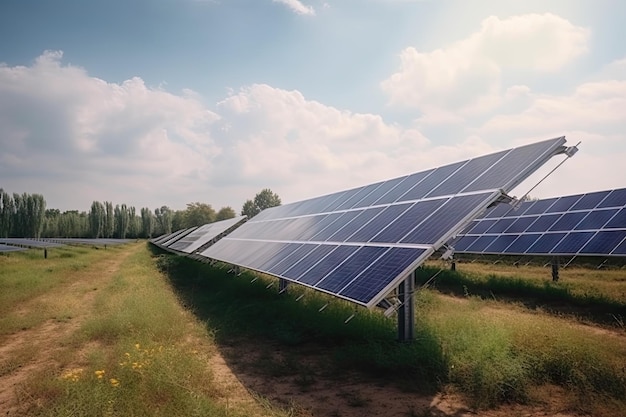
(99, 374)
(114, 382)
(137, 346)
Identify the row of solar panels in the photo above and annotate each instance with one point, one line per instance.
(20, 244)
(196, 239)
(361, 243)
(583, 224)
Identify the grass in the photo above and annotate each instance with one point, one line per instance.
(141, 339)
(489, 351)
(590, 294)
(132, 351)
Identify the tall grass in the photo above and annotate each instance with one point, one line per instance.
(575, 296)
(490, 352)
(136, 353)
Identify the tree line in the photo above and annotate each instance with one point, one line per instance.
(26, 215)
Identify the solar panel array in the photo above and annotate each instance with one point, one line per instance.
(204, 234)
(361, 243)
(592, 224)
(29, 243)
(8, 248)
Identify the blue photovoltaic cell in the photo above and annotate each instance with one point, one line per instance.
(375, 195)
(291, 259)
(590, 201)
(618, 221)
(603, 242)
(521, 224)
(539, 206)
(620, 250)
(500, 243)
(596, 220)
(473, 169)
(563, 204)
(349, 229)
(434, 179)
(317, 227)
(511, 168)
(615, 199)
(480, 244)
(335, 226)
(298, 269)
(501, 225)
(456, 209)
(546, 243)
(351, 268)
(522, 243)
(407, 221)
(464, 241)
(396, 192)
(572, 243)
(587, 224)
(371, 229)
(359, 244)
(568, 221)
(543, 223)
(327, 264)
(374, 279)
(287, 250)
(481, 226)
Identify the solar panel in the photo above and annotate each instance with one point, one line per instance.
(29, 243)
(205, 234)
(8, 248)
(592, 224)
(359, 244)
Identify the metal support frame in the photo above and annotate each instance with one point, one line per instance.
(555, 263)
(406, 312)
(282, 285)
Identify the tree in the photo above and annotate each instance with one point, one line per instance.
(147, 223)
(266, 199)
(7, 210)
(109, 223)
(198, 214)
(97, 218)
(164, 217)
(249, 209)
(263, 200)
(225, 213)
(122, 219)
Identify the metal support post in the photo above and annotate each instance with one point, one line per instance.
(282, 285)
(555, 268)
(406, 312)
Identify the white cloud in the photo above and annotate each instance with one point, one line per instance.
(466, 76)
(297, 7)
(76, 138)
(59, 123)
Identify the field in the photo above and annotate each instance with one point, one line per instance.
(131, 330)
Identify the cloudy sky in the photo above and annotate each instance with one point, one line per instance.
(167, 102)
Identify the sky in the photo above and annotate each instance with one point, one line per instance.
(168, 102)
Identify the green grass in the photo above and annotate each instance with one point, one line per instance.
(136, 352)
(491, 352)
(589, 294)
(139, 351)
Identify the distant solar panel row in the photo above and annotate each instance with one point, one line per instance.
(191, 239)
(29, 243)
(204, 234)
(8, 248)
(360, 243)
(584, 224)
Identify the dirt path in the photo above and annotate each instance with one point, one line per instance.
(41, 347)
